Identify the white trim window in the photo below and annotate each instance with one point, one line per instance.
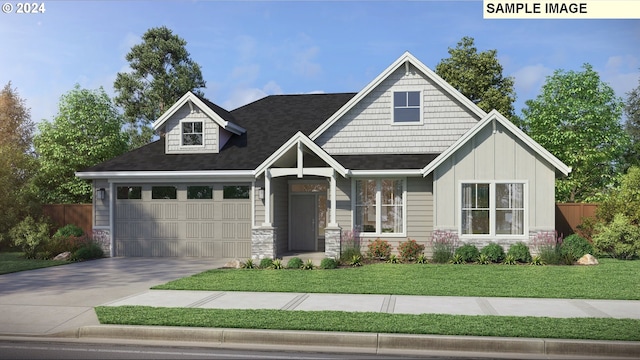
(492, 208)
(407, 107)
(380, 206)
(192, 133)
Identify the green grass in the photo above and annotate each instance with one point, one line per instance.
(13, 262)
(502, 326)
(612, 279)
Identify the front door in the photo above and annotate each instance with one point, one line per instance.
(303, 222)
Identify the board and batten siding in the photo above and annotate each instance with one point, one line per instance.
(367, 128)
(420, 209)
(498, 156)
(174, 132)
(101, 207)
(280, 212)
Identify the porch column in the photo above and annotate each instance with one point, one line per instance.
(267, 198)
(332, 240)
(332, 222)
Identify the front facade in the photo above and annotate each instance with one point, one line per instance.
(405, 156)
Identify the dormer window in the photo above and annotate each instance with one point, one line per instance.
(406, 107)
(192, 133)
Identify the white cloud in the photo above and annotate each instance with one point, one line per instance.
(245, 73)
(622, 74)
(245, 95)
(303, 62)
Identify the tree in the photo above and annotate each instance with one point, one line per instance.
(577, 118)
(85, 132)
(162, 72)
(478, 76)
(17, 163)
(632, 126)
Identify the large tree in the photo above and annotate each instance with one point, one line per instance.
(17, 163)
(478, 76)
(577, 118)
(632, 126)
(86, 131)
(161, 72)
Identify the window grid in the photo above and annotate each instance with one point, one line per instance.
(192, 134)
(495, 208)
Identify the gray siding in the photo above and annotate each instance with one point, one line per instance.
(420, 209)
(101, 207)
(367, 128)
(174, 132)
(259, 205)
(495, 156)
(280, 213)
(343, 203)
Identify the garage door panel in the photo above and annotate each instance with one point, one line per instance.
(200, 211)
(164, 248)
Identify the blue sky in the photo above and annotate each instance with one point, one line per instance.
(249, 49)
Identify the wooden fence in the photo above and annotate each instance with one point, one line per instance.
(569, 216)
(76, 214)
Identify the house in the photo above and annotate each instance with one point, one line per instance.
(405, 156)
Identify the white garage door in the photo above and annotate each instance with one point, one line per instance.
(200, 220)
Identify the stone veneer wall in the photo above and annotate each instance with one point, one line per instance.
(535, 236)
(263, 243)
(103, 238)
(332, 240)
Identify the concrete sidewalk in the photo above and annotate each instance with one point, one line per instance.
(398, 304)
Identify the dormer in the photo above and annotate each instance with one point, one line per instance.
(196, 125)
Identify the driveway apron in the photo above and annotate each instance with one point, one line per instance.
(61, 298)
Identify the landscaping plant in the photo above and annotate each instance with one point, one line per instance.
(379, 249)
(277, 264)
(457, 259)
(466, 253)
(69, 230)
(328, 263)
(546, 244)
(619, 239)
(443, 244)
(393, 259)
(249, 264)
(88, 251)
(308, 265)
(422, 259)
(266, 263)
(494, 252)
(355, 261)
(294, 263)
(349, 244)
(30, 236)
(410, 250)
(510, 260)
(574, 247)
(520, 252)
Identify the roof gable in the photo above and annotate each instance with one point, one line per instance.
(494, 115)
(403, 60)
(219, 115)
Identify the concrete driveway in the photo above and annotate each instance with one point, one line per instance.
(61, 298)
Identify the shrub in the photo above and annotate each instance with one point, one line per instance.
(410, 250)
(355, 261)
(509, 260)
(88, 251)
(619, 239)
(547, 245)
(422, 259)
(277, 264)
(294, 263)
(249, 264)
(30, 236)
(574, 247)
(457, 259)
(494, 252)
(520, 252)
(349, 244)
(60, 244)
(483, 259)
(393, 259)
(69, 230)
(379, 249)
(467, 253)
(537, 260)
(308, 265)
(328, 263)
(443, 244)
(266, 263)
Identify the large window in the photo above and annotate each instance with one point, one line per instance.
(492, 209)
(192, 133)
(406, 107)
(379, 205)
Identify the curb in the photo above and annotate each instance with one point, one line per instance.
(368, 342)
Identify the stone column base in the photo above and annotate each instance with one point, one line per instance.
(263, 243)
(103, 238)
(332, 240)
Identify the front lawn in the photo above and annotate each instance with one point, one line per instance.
(437, 324)
(14, 261)
(612, 279)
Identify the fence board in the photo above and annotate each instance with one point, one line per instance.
(570, 215)
(77, 214)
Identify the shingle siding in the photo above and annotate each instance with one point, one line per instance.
(367, 128)
(174, 132)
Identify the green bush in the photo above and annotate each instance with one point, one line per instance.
(467, 253)
(30, 236)
(69, 230)
(547, 246)
(328, 263)
(379, 249)
(88, 251)
(266, 263)
(410, 250)
(574, 247)
(520, 252)
(294, 263)
(349, 245)
(619, 239)
(348, 253)
(59, 244)
(443, 244)
(494, 252)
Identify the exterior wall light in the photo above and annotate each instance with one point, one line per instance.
(100, 193)
(261, 193)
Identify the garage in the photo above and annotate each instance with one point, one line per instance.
(183, 220)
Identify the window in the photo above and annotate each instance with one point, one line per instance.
(492, 209)
(406, 107)
(164, 192)
(192, 133)
(235, 192)
(199, 192)
(129, 192)
(379, 205)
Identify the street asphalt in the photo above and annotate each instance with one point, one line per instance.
(59, 301)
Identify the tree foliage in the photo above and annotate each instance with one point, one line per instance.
(161, 72)
(577, 118)
(17, 163)
(85, 132)
(478, 76)
(632, 126)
